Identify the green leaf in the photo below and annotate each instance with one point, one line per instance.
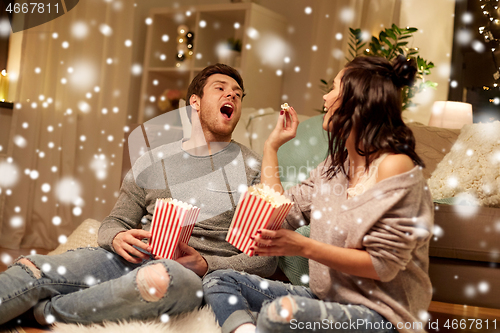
(395, 28)
(361, 46)
(391, 34)
(385, 40)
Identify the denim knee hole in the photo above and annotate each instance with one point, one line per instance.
(29, 267)
(153, 282)
(282, 309)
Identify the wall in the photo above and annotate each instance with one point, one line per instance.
(435, 40)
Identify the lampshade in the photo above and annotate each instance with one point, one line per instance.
(450, 114)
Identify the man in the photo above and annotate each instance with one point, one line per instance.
(120, 280)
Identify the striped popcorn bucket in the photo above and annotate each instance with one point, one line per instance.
(173, 222)
(254, 213)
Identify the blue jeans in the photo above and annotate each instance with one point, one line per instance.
(92, 285)
(238, 298)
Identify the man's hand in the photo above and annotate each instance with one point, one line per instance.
(192, 260)
(124, 243)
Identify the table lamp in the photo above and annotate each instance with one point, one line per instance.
(450, 114)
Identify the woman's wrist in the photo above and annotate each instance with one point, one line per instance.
(269, 147)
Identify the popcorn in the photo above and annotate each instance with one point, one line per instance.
(285, 107)
(260, 207)
(173, 222)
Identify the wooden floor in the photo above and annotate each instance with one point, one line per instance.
(440, 313)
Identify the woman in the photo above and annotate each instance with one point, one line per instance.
(370, 213)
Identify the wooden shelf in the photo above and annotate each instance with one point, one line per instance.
(464, 310)
(7, 105)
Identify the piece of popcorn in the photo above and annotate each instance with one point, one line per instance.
(285, 107)
(268, 194)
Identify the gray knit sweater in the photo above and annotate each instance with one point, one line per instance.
(212, 183)
(392, 221)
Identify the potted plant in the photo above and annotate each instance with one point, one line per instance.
(390, 43)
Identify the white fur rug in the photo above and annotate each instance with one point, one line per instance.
(202, 320)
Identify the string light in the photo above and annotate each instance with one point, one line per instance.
(489, 7)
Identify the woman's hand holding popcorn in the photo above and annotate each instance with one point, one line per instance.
(282, 242)
(285, 129)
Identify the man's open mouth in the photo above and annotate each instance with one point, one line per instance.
(227, 110)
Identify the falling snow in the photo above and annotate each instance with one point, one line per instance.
(9, 174)
(80, 30)
(20, 141)
(68, 190)
(6, 259)
(347, 15)
(56, 220)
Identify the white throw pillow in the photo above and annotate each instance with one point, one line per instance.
(471, 169)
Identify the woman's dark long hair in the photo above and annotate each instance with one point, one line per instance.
(370, 94)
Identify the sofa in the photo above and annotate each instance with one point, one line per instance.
(464, 252)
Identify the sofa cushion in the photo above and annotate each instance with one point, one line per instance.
(298, 157)
(85, 235)
(296, 268)
(432, 144)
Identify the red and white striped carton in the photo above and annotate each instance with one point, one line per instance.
(173, 222)
(259, 208)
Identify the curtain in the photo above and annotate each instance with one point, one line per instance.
(68, 123)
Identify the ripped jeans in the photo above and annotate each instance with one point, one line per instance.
(273, 306)
(92, 285)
